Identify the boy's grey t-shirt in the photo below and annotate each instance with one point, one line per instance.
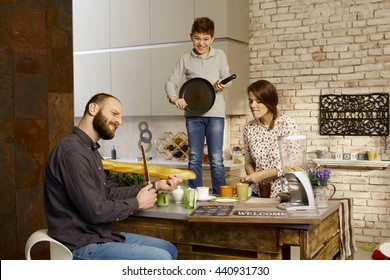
(211, 68)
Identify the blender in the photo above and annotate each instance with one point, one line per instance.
(293, 158)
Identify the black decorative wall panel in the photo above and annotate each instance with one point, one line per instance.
(364, 114)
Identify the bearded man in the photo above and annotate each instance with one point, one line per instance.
(82, 200)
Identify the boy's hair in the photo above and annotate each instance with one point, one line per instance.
(203, 25)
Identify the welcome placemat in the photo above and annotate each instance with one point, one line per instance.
(212, 210)
(261, 213)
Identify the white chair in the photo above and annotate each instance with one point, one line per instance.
(58, 251)
(385, 249)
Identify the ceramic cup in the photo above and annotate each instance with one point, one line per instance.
(178, 195)
(226, 191)
(242, 191)
(371, 155)
(321, 153)
(190, 198)
(162, 199)
(203, 193)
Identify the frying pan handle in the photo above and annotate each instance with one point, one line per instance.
(228, 79)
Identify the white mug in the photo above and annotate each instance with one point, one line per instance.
(203, 193)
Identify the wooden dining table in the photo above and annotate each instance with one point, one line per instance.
(254, 229)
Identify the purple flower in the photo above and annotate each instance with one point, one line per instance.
(319, 176)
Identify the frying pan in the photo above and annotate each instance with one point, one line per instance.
(199, 94)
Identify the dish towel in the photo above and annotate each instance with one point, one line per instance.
(347, 241)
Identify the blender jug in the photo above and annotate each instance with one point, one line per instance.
(293, 158)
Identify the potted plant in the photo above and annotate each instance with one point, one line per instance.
(319, 176)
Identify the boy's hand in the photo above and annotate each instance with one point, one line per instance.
(180, 103)
(218, 86)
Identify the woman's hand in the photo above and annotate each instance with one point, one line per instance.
(258, 176)
(169, 184)
(252, 178)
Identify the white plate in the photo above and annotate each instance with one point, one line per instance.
(207, 199)
(224, 199)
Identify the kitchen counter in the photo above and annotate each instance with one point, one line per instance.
(229, 165)
(242, 237)
(264, 205)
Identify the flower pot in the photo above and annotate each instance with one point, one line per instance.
(321, 195)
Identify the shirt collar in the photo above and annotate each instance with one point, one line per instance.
(211, 53)
(86, 139)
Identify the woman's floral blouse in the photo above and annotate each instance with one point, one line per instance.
(261, 148)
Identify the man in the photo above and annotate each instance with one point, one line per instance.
(82, 201)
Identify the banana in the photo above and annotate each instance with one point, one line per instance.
(154, 170)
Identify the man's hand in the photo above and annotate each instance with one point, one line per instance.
(147, 197)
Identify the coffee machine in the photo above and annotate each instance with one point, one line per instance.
(293, 157)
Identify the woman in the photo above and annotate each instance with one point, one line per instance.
(262, 158)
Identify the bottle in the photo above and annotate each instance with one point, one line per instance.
(113, 153)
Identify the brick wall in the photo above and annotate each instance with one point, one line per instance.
(314, 47)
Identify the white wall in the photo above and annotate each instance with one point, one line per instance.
(128, 135)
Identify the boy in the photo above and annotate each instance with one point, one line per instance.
(211, 64)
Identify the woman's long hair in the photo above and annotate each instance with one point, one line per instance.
(266, 93)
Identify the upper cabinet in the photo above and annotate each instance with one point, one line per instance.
(129, 47)
(171, 20)
(163, 60)
(231, 17)
(236, 96)
(91, 25)
(129, 23)
(130, 81)
(92, 74)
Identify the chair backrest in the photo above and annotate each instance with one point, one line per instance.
(58, 251)
(385, 249)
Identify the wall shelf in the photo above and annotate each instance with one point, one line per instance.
(374, 164)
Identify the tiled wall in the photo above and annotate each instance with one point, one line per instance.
(310, 48)
(36, 93)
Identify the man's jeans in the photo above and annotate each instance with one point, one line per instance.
(212, 128)
(135, 247)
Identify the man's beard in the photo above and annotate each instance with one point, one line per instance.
(100, 124)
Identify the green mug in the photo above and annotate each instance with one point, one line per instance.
(162, 199)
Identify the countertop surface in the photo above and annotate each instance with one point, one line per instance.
(265, 212)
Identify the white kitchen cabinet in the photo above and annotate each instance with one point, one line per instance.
(91, 76)
(231, 17)
(129, 23)
(238, 59)
(130, 81)
(91, 24)
(129, 47)
(171, 20)
(163, 60)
